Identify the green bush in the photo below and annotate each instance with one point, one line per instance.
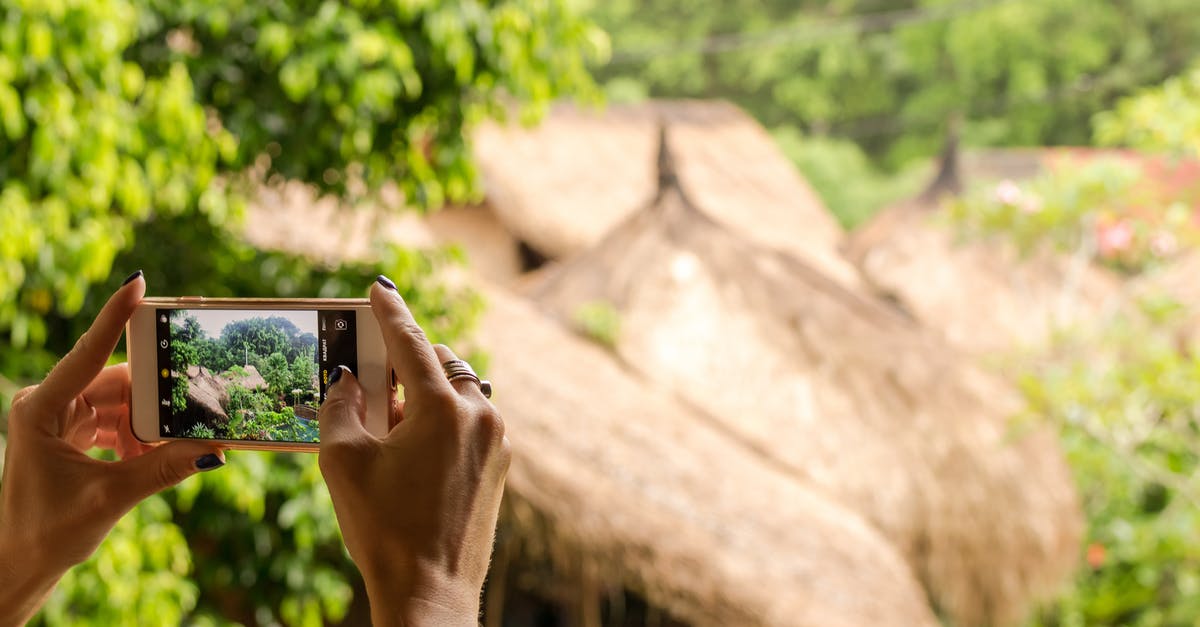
(851, 186)
(1114, 211)
(1126, 400)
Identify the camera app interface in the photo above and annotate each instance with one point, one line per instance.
(242, 374)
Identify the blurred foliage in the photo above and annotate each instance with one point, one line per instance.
(91, 146)
(1164, 118)
(1124, 392)
(370, 91)
(1127, 403)
(1129, 213)
(852, 187)
(889, 75)
(119, 111)
(131, 134)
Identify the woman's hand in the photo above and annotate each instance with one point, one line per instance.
(56, 503)
(417, 508)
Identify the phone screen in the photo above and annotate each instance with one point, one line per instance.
(249, 374)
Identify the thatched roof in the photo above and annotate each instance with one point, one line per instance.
(563, 185)
(667, 502)
(983, 296)
(842, 392)
(492, 251)
(291, 216)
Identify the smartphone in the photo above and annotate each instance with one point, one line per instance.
(249, 373)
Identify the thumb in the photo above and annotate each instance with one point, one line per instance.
(344, 410)
(164, 466)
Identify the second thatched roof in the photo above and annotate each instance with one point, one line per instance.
(982, 296)
(841, 391)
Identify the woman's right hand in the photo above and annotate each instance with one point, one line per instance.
(417, 508)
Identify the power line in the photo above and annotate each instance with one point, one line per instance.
(808, 33)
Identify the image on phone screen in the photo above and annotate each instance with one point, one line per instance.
(248, 374)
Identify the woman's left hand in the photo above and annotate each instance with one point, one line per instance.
(56, 503)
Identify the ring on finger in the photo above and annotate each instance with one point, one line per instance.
(459, 369)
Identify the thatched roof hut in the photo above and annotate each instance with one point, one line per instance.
(291, 216)
(983, 296)
(561, 187)
(660, 498)
(841, 391)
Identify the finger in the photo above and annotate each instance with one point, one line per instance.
(106, 440)
(77, 369)
(109, 418)
(161, 467)
(465, 386)
(109, 388)
(417, 366)
(344, 411)
(81, 427)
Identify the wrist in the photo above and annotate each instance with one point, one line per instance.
(419, 595)
(24, 585)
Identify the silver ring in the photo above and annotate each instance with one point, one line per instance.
(459, 369)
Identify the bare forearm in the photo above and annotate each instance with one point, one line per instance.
(23, 588)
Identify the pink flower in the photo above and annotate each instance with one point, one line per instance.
(1113, 238)
(1163, 244)
(1008, 193)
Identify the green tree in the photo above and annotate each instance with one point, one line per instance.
(890, 74)
(1163, 118)
(185, 332)
(276, 373)
(302, 376)
(130, 132)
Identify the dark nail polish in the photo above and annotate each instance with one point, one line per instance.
(208, 462)
(386, 282)
(132, 277)
(337, 374)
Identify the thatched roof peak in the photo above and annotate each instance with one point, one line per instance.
(561, 187)
(838, 390)
(946, 182)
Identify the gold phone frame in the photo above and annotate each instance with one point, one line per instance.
(141, 337)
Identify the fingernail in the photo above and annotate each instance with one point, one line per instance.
(386, 282)
(337, 374)
(208, 462)
(132, 277)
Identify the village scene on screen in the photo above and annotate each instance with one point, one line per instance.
(255, 379)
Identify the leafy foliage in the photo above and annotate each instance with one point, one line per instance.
(1162, 118)
(130, 133)
(1125, 399)
(828, 164)
(139, 575)
(1127, 213)
(120, 112)
(336, 92)
(890, 75)
(92, 145)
